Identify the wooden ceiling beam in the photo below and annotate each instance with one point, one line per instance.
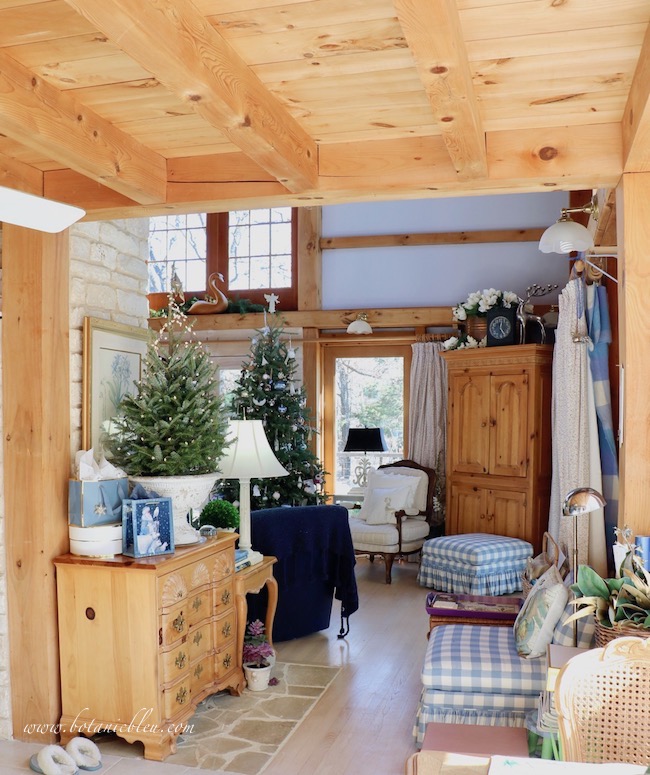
(636, 116)
(54, 123)
(175, 43)
(434, 35)
(23, 177)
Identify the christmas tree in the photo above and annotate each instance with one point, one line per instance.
(175, 424)
(267, 391)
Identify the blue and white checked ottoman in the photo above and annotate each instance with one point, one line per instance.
(472, 674)
(474, 564)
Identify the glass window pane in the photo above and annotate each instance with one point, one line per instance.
(196, 244)
(195, 275)
(260, 272)
(158, 246)
(369, 392)
(281, 238)
(157, 222)
(196, 220)
(157, 277)
(239, 217)
(260, 240)
(259, 216)
(281, 214)
(176, 248)
(239, 241)
(238, 274)
(281, 272)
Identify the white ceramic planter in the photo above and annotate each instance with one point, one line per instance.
(186, 492)
(257, 678)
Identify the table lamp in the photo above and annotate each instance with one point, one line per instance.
(249, 456)
(364, 440)
(582, 500)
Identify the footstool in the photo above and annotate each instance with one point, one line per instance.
(474, 564)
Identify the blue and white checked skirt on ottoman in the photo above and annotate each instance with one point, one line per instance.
(474, 564)
(472, 674)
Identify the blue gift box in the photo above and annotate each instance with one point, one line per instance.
(96, 503)
(147, 527)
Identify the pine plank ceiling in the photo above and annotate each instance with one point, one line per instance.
(136, 107)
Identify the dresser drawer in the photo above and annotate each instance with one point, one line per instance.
(177, 698)
(225, 660)
(173, 624)
(176, 586)
(200, 641)
(175, 662)
(199, 607)
(223, 595)
(202, 674)
(225, 628)
(224, 565)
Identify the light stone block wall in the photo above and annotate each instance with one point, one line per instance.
(108, 279)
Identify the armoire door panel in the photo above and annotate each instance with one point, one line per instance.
(509, 425)
(506, 513)
(467, 508)
(469, 444)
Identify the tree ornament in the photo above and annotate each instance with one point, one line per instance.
(256, 490)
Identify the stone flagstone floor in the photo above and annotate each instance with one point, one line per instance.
(241, 734)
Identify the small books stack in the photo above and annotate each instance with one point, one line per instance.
(241, 559)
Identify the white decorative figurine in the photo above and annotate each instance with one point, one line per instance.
(272, 299)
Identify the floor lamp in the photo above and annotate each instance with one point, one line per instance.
(249, 456)
(582, 500)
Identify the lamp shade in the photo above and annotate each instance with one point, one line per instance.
(365, 440)
(35, 212)
(249, 456)
(582, 500)
(360, 325)
(566, 236)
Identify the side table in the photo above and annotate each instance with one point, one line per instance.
(252, 580)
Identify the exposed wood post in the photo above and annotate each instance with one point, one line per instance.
(633, 226)
(36, 401)
(311, 381)
(310, 258)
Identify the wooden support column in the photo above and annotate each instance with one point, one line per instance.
(311, 381)
(36, 411)
(310, 258)
(633, 226)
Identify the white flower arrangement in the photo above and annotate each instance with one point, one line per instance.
(479, 302)
(463, 341)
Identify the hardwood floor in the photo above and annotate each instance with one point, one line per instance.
(363, 724)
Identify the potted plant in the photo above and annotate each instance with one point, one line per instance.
(258, 656)
(170, 435)
(621, 606)
(219, 513)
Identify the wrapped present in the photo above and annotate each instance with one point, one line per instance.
(99, 502)
(147, 527)
(95, 496)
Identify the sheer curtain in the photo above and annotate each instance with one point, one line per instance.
(428, 405)
(576, 460)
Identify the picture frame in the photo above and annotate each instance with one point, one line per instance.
(113, 356)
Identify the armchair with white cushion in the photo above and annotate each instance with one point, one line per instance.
(395, 518)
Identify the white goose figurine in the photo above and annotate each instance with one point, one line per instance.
(220, 303)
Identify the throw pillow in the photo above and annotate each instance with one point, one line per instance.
(377, 478)
(535, 623)
(381, 503)
(563, 633)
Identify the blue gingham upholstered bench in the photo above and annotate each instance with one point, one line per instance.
(472, 674)
(474, 564)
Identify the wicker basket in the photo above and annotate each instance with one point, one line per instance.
(526, 583)
(604, 635)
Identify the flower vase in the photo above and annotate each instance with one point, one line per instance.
(476, 327)
(257, 677)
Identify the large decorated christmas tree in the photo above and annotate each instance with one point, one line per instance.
(267, 390)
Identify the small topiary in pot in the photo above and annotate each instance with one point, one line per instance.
(219, 513)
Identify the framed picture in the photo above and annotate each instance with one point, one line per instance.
(113, 355)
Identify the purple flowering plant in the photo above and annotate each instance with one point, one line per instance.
(256, 649)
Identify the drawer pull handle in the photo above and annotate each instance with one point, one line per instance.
(180, 660)
(226, 629)
(181, 695)
(198, 637)
(179, 623)
(198, 670)
(227, 660)
(197, 603)
(225, 596)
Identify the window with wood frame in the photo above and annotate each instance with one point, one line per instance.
(254, 250)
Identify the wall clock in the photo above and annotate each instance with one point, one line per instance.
(501, 326)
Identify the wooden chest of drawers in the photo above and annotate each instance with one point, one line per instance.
(142, 641)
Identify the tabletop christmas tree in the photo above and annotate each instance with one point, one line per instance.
(267, 390)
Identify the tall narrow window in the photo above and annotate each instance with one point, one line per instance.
(365, 386)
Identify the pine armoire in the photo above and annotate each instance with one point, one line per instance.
(499, 441)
